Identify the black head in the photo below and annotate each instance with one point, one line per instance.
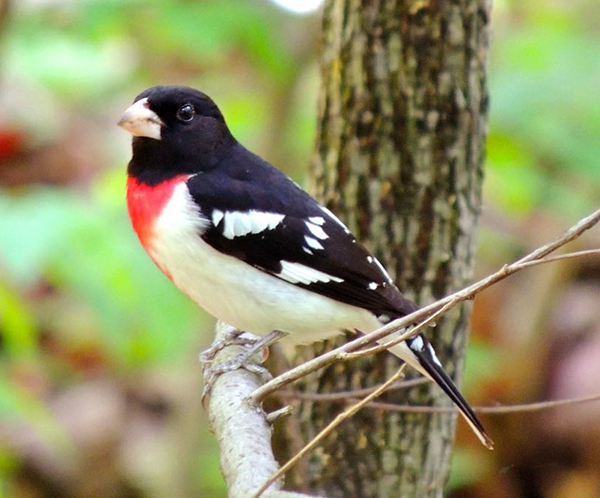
(176, 130)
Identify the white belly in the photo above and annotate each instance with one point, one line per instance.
(237, 293)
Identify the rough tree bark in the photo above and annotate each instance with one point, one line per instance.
(402, 125)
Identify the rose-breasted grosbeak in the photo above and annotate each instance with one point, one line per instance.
(248, 244)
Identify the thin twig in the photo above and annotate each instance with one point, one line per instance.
(467, 293)
(277, 415)
(354, 393)
(401, 338)
(493, 410)
(350, 397)
(327, 430)
(353, 396)
(560, 257)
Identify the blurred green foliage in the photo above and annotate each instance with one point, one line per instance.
(75, 287)
(543, 148)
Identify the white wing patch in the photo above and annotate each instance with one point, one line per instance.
(317, 220)
(312, 242)
(297, 273)
(417, 344)
(217, 216)
(316, 230)
(239, 223)
(434, 356)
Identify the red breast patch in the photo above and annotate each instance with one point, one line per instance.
(145, 203)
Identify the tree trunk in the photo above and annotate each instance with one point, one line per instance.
(400, 148)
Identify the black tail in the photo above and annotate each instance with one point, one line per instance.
(429, 362)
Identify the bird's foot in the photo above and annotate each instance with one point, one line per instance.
(246, 360)
(232, 338)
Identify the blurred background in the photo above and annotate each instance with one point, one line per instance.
(99, 377)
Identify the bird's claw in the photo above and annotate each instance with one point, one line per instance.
(231, 338)
(246, 360)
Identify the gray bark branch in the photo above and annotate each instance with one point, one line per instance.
(242, 430)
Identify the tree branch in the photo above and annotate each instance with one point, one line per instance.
(242, 430)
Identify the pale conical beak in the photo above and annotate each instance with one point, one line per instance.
(140, 121)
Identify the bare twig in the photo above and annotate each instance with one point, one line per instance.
(521, 408)
(242, 431)
(327, 430)
(560, 257)
(411, 332)
(354, 393)
(277, 415)
(452, 300)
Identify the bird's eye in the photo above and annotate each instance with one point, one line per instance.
(186, 113)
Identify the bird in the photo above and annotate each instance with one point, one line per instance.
(248, 244)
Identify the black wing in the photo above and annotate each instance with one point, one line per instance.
(305, 245)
